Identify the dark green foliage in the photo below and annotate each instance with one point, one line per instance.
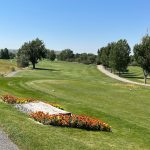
(119, 56)
(115, 56)
(4, 54)
(12, 55)
(51, 55)
(86, 58)
(105, 56)
(33, 51)
(142, 55)
(66, 55)
(98, 59)
(92, 58)
(133, 62)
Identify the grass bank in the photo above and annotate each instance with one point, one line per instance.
(81, 89)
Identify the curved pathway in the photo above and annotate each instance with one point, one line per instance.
(6, 143)
(103, 70)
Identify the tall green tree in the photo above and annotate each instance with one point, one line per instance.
(142, 55)
(105, 56)
(119, 56)
(33, 50)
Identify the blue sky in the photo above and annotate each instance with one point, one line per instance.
(82, 25)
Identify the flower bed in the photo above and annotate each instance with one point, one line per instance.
(15, 100)
(75, 121)
(64, 120)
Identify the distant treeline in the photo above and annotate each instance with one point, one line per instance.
(6, 54)
(68, 55)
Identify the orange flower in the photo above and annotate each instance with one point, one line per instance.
(75, 121)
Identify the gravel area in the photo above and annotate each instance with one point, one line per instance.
(6, 143)
(103, 70)
(11, 74)
(40, 106)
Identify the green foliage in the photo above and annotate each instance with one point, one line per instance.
(133, 61)
(12, 55)
(105, 51)
(115, 55)
(4, 54)
(119, 56)
(142, 55)
(51, 55)
(98, 59)
(66, 55)
(33, 51)
(85, 58)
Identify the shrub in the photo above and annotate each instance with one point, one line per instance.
(75, 121)
(13, 69)
(22, 61)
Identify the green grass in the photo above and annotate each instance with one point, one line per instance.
(81, 89)
(135, 74)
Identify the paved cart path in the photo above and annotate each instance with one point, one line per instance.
(6, 143)
(103, 70)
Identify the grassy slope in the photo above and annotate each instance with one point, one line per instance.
(81, 89)
(6, 66)
(135, 74)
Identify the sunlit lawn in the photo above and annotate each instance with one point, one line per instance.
(80, 89)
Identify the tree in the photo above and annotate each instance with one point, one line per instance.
(119, 56)
(51, 55)
(83, 58)
(142, 55)
(12, 55)
(33, 51)
(99, 53)
(105, 56)
(91, 58)
(66, 55)
(4, 54)
(133, 62)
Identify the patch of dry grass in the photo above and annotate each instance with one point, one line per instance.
(7, 66)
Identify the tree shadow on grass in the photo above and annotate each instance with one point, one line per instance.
(131, 75)
(46, 69)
